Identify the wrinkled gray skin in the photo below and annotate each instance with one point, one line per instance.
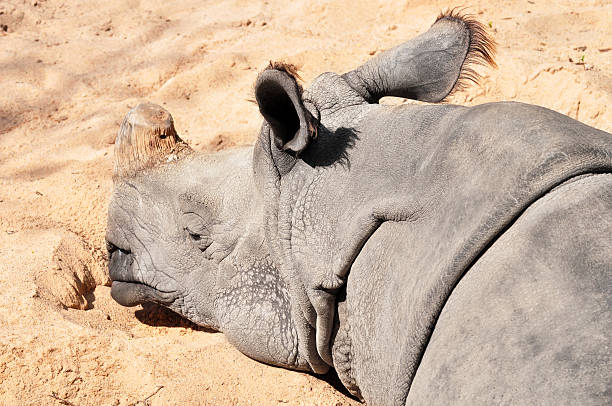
(432, 254)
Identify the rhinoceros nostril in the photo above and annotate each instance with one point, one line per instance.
(111, 248)
(120, 264)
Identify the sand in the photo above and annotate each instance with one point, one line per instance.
(70, 70)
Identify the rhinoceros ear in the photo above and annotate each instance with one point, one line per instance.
(279, 97)
(430, 66)
(146, 138)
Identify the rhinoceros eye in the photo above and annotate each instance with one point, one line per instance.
(197, 230)
(194, 236)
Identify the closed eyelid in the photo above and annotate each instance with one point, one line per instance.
(195, 224)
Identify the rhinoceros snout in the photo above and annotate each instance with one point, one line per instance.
(127, 289)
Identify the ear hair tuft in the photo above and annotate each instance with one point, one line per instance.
(481, 49)
(289, 68)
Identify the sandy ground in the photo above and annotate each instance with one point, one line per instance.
(70, 70)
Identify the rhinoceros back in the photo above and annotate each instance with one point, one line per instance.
(530, 322)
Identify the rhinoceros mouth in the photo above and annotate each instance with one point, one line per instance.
(128, 290)
(134, 293)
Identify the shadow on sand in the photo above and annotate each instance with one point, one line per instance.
(158, 316)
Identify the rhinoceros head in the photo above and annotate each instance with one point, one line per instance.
(166, 232)
(206, 234)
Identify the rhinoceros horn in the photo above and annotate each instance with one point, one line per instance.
(146, 138)
(430, 66)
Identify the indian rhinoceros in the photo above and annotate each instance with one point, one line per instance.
(432, 254)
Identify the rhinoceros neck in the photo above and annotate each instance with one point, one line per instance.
(253, 310)
(268, 276)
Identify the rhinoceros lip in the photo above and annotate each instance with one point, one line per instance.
(134, 293)
(126, 289)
